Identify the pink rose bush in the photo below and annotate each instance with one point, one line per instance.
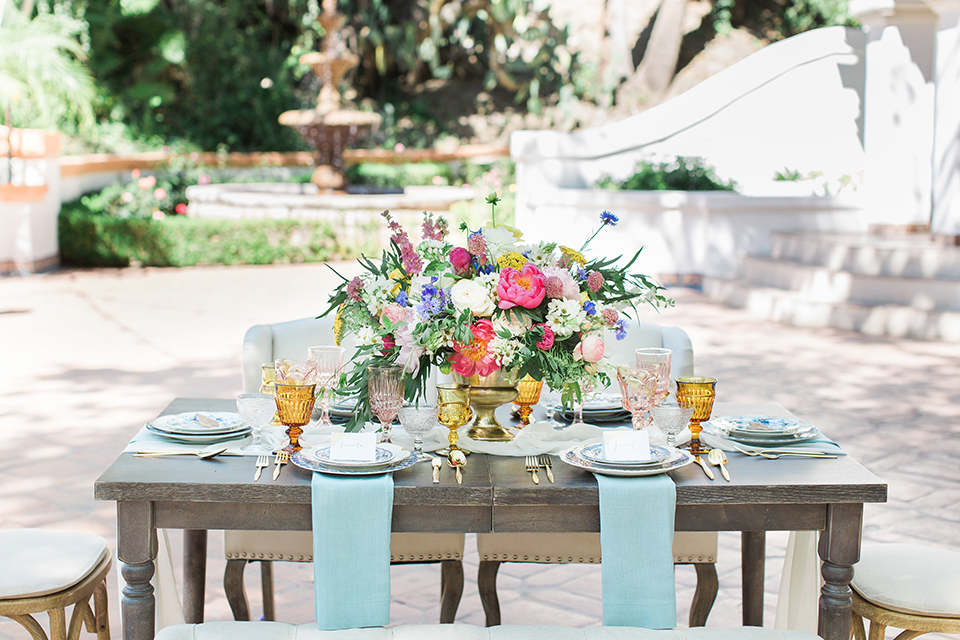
(493, 303)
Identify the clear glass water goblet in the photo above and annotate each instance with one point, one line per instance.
(671, 420)
(385, 391)
(257, 410)
(417, 421)
(329, 361)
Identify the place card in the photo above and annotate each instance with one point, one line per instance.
(360, 447)
(626, 446)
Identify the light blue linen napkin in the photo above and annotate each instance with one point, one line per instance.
(636, 539)
(351, 550)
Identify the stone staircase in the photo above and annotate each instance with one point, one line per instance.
(904, 286)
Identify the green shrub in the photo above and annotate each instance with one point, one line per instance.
(682, 174)
(91, 239)
(399, 175)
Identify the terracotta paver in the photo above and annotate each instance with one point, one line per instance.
(88, 356)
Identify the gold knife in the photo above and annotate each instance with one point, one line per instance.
(706, 469)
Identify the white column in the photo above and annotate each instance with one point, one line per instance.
(946, 136)
(898, 110)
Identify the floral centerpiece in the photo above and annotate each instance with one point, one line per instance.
(499, 303)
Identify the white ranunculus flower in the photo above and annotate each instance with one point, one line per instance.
(471, 295)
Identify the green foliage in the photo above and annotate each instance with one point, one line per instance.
(211, 73)
(399, 175)
(509, 43)
(682, 174)
(91, 239)
(43, 81)
(778, 19)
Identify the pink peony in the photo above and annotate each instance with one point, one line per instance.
(548, 337)
(460, 260)
(475, 359)
(525, 288)
(394, 313)
(569, 288)
(590, 349)
(388, 344)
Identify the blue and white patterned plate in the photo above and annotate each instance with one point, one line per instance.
(766, 440)
(384, 457)
(756, 424)
(190, 438)
(310, 464)
(574, 459)
(595, 453)
(187, 424)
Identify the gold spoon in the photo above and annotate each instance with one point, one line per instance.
(436, 463)
(456, 459)
(718, 457)
(204, 454)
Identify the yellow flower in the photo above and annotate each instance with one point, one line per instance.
(397, 276)
(511, 259)
(516, 232)
(574, 255)
(338, 326)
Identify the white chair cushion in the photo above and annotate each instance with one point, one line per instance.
(909, 578)
(38, 562)
(297, 546)
(283, 631)
(560, 548)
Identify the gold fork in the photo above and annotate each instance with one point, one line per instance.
(547, 464)
(262, 462)
(532, 467)
(282, 458)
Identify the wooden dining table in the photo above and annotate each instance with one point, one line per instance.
(789, 494)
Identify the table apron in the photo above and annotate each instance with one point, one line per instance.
(263, 516)
(705, 517)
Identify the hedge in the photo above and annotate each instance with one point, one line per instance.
(89, 239)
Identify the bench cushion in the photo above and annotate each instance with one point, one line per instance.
(283, 631)
(38, 562)
(909, 578)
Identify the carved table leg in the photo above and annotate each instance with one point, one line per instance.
(194, 574)
(137, 550)
(839, 549)
(753, 554)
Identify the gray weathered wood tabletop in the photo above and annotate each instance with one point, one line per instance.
(497, 495)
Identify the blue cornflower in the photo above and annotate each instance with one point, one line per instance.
(621, 328)
(582, 274)
(590, 308)
(608, 218)
(401, 298)
(433, 299)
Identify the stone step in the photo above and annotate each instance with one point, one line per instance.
(828, 285)
(804, 310)
(909, 256)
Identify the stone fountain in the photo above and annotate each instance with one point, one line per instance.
(330, 128)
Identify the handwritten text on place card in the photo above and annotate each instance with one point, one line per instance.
(626, 445)
(353, 446)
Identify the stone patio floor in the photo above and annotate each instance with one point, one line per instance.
(89, 356)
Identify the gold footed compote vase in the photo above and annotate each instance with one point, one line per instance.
(453, 401)
(487, 393)
(697, 392)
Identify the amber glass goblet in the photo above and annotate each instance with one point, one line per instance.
(455, 411)
(294, 406)
(528, 395)
(697, 392)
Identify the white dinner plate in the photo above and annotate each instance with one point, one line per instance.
(764, 441)
(595, 453)
(243, 432)
(186, 423)
(595, 402)
(572, 458)
(311, 464)
(384, 457)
